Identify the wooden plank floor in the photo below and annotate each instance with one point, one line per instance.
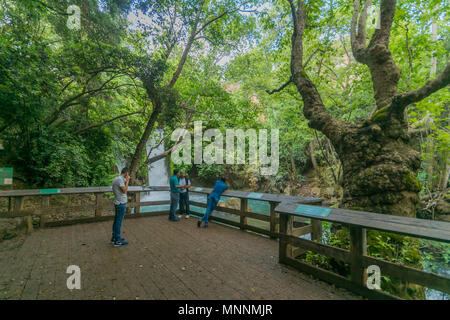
(164, 260)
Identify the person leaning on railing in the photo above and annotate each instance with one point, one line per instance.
(213, 200)
(119, 188)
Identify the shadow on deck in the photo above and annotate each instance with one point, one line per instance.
(164, 260)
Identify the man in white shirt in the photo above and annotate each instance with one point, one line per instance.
(119, 188)
(184, 194)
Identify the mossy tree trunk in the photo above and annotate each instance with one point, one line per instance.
(379, 165)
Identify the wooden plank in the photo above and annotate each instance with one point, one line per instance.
(427, 229)
(282, 243)
(337, 280)
(423, 278)
(38, 192)
(230, 193)
(273, 218)
(254, 215)
(98, 203)
(44, 217)
(18, 203)
(243, 219)
(62, 223)
(324, 249)
(18, 206)
(296, 232)
(59, 209)
(221, 209)
(358, 248)
(316, 234)
(148, 203)
(137, 208)
(296, 251)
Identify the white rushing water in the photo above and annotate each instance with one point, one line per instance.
(158, 174)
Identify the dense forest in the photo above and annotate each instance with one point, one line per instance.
(76, 100)
(357, 89)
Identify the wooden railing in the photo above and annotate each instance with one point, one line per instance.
(289, 218)
(16, 205)
(358, 222)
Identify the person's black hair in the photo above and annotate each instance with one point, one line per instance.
(222, 179)
(175, 171)
(125, 170)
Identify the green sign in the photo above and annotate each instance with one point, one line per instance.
(49, 191)
(313, 210)
(254, 195)
(6, 176)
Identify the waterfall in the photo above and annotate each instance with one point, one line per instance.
(121, 163)
(157, 171)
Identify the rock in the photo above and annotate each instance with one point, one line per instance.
(443, 207)
(315, 191)
(10, 228)
(330, 192)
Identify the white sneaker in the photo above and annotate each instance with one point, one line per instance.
(179, 216)
(187, 216)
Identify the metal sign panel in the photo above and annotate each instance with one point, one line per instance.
(6, 176)
(313, 210)
(254, 195)
(49, 191)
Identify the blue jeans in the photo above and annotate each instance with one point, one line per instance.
(184, 202)
(174, 200)
(118, 219)
(210, 206)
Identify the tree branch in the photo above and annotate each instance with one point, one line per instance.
(402, 100)
(107, 121)
(313, 109)
(280, 88)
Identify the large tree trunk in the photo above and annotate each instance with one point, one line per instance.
(379, 166)
(379, 171)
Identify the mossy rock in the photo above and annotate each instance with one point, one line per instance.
(412, 182)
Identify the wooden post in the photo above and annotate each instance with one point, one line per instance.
(137, 208)
(98, 204)
(44, 217)
(289, 228)
(282, 243)
(18, 206)
(273, 220)
(316, 234)
(244, 203)
(358, 248)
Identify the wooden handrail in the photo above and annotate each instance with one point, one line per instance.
(357, 221)
(421, 228)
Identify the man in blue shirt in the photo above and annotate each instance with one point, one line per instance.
(175, 189)
(213, 200)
